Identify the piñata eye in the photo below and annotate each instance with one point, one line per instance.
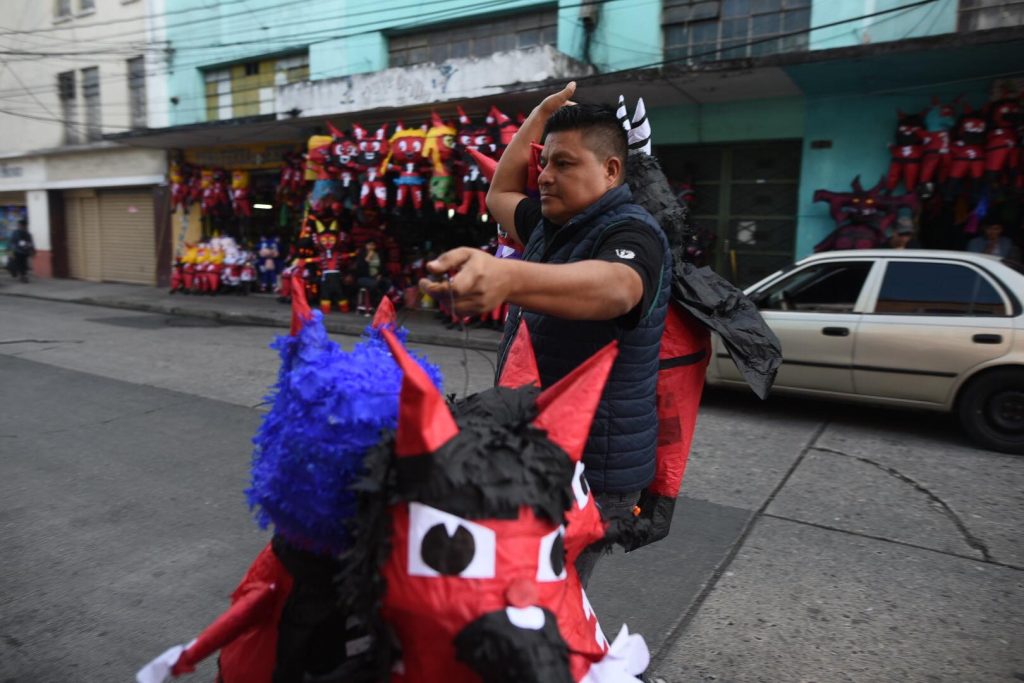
(551, 559)
(443, 544)
(580, 487)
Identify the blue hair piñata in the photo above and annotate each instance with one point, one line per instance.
(329, 407)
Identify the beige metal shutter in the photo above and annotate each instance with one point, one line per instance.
(126, 236)
(82, 220)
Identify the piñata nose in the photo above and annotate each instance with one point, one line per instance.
(521, 593)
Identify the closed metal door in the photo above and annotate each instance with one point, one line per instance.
(747, 195)
(82, 220)
(127, 236)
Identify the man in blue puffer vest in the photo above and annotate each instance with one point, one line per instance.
(595, 268)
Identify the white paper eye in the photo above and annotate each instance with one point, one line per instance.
(580, 487)
(443, 544)
(551, 558)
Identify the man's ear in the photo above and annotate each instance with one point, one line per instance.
(614, 170)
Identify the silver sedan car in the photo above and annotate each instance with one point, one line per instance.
(940, 330)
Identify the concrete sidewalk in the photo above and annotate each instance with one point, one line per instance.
(232, 309)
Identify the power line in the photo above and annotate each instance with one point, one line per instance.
(687, 58)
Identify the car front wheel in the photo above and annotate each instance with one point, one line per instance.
(992, 410)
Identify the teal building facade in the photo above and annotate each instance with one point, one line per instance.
(755, 104)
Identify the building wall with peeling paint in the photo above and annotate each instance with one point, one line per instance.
(347, 38)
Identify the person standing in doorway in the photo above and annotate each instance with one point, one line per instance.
(22, 249)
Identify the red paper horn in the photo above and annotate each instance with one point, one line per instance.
(424, 421)
(521, 365)
(463, 119)
(487, 165)
(498, 116)
(567, 408)
(301, 313)
(334, 131)
(385, 314)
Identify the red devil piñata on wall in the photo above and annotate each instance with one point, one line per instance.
(405, 155)
(907, 153)
(372, 151)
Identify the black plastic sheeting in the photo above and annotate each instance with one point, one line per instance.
(726, 310)
(715, 302)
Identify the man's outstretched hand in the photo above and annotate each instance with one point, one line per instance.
(477, 281)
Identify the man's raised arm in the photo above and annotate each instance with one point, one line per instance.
(506, 189)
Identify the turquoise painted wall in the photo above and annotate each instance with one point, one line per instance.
(627, 35)
(771, 119)
(926, 20)
(344, 37)
(860, 129)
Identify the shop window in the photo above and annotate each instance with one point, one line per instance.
(62, 8)
(478, 39)
(980, 15)
(68, 106)
(700, 30)
(91, 100)
(137, 91)
(937, 289)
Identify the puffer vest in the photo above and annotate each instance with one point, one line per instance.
(620, 453)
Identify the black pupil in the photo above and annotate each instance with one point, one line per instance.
(448, 555)
(584, 486)
(558, 555)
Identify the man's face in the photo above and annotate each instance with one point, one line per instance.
(573, 177)
(900, 240)
(993, 232)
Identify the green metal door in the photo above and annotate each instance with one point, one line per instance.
(746, 194)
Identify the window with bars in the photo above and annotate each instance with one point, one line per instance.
(62, 8)
(137, 91)
(479, 39)
(702, 30)
(91, 100)
(68, 106)
(980, 15)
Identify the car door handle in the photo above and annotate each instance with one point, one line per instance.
(836, 331)
(987, 339)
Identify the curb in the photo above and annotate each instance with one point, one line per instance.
(353, 328)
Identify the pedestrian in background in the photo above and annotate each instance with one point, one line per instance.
(22, 249)
(994, 242)
(902, 236)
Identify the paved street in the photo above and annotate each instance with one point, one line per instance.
(813, 542)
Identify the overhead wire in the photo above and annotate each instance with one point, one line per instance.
(297, 40)
(670, 61)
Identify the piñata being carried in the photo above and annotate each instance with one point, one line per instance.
(474, 517)
(329, 407)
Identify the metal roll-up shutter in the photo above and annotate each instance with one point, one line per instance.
(82, 223)
(126, 236)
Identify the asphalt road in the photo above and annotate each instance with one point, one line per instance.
(813, 542)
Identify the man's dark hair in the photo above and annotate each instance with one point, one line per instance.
(601, 131)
